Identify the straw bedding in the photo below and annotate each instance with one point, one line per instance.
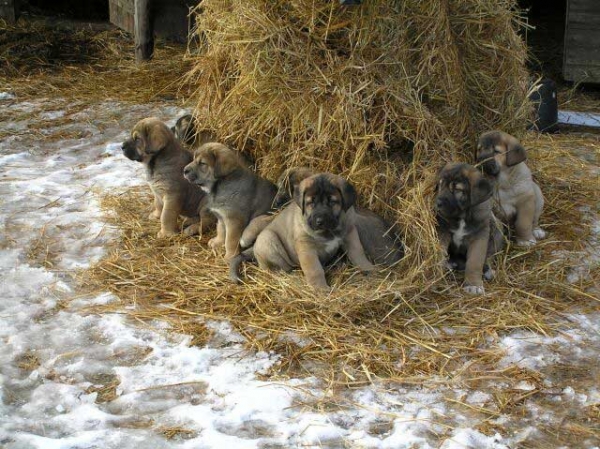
(382, 94)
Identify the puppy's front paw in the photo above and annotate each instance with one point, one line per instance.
(489, 274)
(193, 229)
(539, 233)
(165, 234)
(154, 215)
(526, 243)
(215, 243)
(450, 265)
(474, 289)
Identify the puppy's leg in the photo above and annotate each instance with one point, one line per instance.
(356, 252)
(234, 226)
(158, 206)
(311, 266)
(445, 238)
(538, 232)
(270, 253)
(168, 217)
(524, 222)
(476, 255)
(254, 228)
(219, 240)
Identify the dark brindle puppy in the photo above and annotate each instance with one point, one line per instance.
(380, 243)
(152, 143)
(309, 232)
(519, 200)
(187, 132)
(466, 227)
(236, 194)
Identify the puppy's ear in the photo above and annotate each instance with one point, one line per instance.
(225, 162)
(515, 153)
(346, 189)
(157, 136)
(299, 195)
(481, 190)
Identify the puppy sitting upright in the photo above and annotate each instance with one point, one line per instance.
(236, 194)
(309, 232)
(152, 143)
(519, 199)
(465, 222)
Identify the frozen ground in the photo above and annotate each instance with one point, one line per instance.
(74, 380)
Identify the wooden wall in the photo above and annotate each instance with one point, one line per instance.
(169, 17)
(582, 41)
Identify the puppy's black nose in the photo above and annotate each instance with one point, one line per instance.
(186, 171)
(439, 203)
(319, 221)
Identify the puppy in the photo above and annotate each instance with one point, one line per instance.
(519, 200)
(381, 245)
(153, 144)
(236, 194)
(465, 224)
(309, 232)
(185, 130)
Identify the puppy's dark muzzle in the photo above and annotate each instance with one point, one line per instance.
(190, 175)
(130, 152)
(489, 165)
(448, 207)
(322, 222)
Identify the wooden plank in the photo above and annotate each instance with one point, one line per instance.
(121, 14)
(581, 58)
(144, 34)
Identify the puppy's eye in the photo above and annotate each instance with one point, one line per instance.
(497, 151)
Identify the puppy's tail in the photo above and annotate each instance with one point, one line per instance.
(236, 262)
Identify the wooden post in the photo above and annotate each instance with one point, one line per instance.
(9, 10)
(144, 34)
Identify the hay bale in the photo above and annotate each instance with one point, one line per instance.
(381, 94)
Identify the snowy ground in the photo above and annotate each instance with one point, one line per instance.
(74, 380)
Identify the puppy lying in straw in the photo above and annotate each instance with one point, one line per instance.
(309, 232)
(236, 194)
(466, 226)
(381, 245)
(153, 144)
(519, 200)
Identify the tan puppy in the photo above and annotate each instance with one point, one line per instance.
(152, 143)
(236, 194)
(380, 243)
(519, 199)
(309, 232)
(465, 224)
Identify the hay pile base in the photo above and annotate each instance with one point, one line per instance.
(393, 324)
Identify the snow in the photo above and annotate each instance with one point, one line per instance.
(49, 192)
(579, 118)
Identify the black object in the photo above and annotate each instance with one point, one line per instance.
(350, 2)
(545, 101)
